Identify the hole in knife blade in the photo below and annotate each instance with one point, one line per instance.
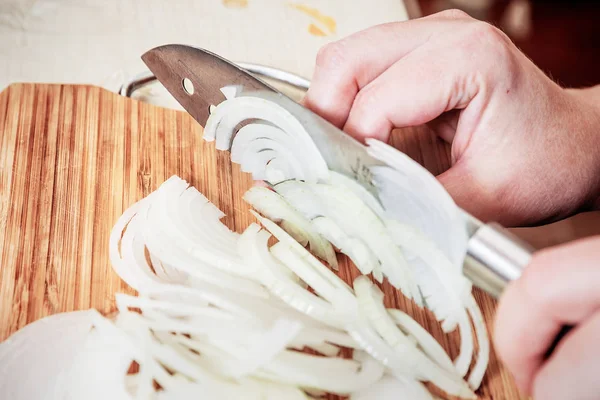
(188, 86)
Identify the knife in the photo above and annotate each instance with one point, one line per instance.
(194, 76)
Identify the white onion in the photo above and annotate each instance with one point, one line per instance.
(416, 198)
(267, 345)
(279, 280)
(35, 361)
(442, 289)
(355, 248)
(311, 261)
(424, 339)
(334, 375)
(274, 207)
(252, 138)
(337, 179)
(483, 340)
(356, 220)
(104, 350)
(158, 227)
(390, 388)
(231, 91)
(423, 368)
(284, 133)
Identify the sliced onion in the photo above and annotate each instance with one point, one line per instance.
(253, 248)
(442, 286)
(274, 207)
(315, 264)
(483, 340)
(423, 338)
(360, 254)
(176, 246)
(288, 257)
(289, 134)
(423, 367)
(231, 91)
(106, 352)
(415, 197)
(267, 345)
(138, 276)
(280, 284)
(203, 293)
(334, 375)
(337, 179)
(390, 388)
(356, 219)
(252, 138)
(173, 240)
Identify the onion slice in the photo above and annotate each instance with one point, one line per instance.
(370, 300)
(356, 220)
(414, 197)
(390, 388)
(274, 207)
(285, 133)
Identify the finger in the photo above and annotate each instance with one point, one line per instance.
(346, 66)
(445, 125)
(572, 371)
(413, 91)
(559, 287)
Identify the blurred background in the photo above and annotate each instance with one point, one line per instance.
(561, 37)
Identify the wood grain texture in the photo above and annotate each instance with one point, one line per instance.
(73, 158)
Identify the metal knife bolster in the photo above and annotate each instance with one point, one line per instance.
(495, 257)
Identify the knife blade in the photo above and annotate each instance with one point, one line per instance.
(494, 256)
(208, 73)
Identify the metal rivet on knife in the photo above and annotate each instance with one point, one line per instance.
(188, 86)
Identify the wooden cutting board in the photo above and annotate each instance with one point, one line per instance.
(72, 158)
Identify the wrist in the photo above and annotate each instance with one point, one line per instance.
(590, 95)
(588, 103)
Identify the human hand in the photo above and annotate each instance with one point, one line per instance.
(560, 287)
(524, 150)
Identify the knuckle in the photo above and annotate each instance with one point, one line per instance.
(484, 29)
(366, 115)
(454, 13)
(537, 279)
(489, 36)
(490, 46)
(365, 106)
(331, 56)
(366, 98)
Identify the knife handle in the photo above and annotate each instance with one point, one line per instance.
(495, 257)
